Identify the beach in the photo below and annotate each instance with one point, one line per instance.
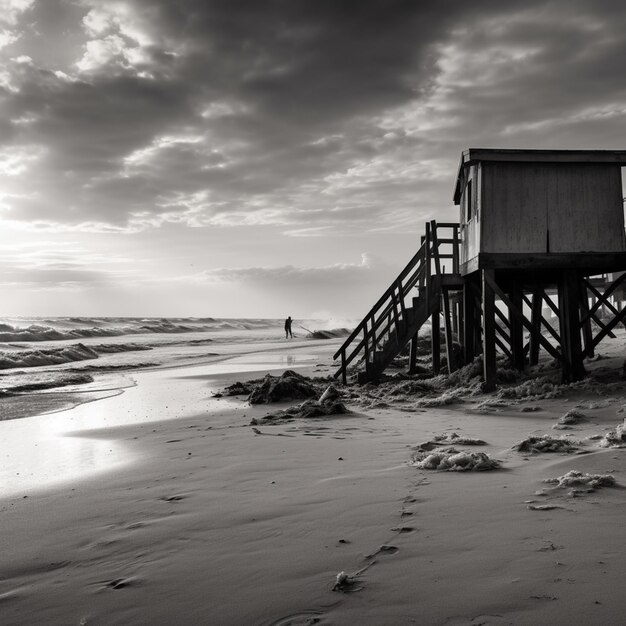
(162, 503)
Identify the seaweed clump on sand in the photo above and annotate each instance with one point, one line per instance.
(545, 443)
(328, 404)
(239, 389)
(572, 417)
(453, 460)
(580, 483)
(288, 386)
(615, 438)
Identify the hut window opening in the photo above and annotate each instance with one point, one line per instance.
(468, 200)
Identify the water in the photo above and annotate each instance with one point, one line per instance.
(66, 377)
(40, 354)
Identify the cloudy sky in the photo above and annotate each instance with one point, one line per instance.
(261, 158)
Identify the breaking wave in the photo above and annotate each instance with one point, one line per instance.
(66, 354)
(77, 328)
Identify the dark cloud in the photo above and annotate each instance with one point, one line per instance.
(317, 116)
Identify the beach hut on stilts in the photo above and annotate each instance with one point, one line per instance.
(536, 262)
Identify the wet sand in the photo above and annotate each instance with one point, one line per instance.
(203, 520)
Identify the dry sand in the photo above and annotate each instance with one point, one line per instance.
(202, 520)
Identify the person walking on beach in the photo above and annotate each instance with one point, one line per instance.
(288, 332)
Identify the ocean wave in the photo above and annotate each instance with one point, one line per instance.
(51, 383)
(66, 354)
(70, 328)
(329, 334)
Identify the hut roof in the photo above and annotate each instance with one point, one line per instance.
(476, 155)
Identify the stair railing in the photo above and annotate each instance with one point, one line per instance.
(388, 317)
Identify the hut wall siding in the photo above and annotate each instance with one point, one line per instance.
(579, 204)
(470, 231)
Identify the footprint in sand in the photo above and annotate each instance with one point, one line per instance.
(384, 549)
(304, 618)
(175, 498)
(122, 583)
(403, 530)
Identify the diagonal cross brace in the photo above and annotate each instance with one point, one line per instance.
(607, 329)
(549, 348)
(603, 298)
(608, 305)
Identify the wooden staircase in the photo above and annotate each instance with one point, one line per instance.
(416, 295)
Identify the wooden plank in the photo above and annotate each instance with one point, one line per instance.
(529, 327)
(517, 329)
(502, 345)
(413, 354)
(448, 331)
(589, 262)
(344, 373)
(502, 317)
(602, 298)
(435, 340)
(609, 327)
(489, 330)
(469, 348)
(569, 301)
(609, 305)
(586, 326)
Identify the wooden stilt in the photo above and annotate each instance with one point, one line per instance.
(455, 315)
(535, 320)
(413, 354)
(586, 325)
(435, 340)
(517, 329)
(489, 331)
(448, 331)
(569, 302)
(469, 348)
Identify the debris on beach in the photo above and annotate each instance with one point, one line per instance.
(573, 416)
(540, 388)
(546, 443)
(447, 439)
(454, 437)
(615, 438)
(345, 583)
(580, 483)
(308, 409)
(544, 507)
(490, 405)
(239, 389)
(453, 460)
(288, 386)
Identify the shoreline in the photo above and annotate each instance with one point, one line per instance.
(217, 523)
(35, 444)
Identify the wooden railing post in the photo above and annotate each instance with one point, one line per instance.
(455, 249)
(428, 277)
(366, 348)
(344, 365)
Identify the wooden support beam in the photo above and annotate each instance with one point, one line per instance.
(621, 316)
(489, 329)
(569, 302)
(469, 323)
(413, 354)
(602, 298)
(503, 346)
(550, 349)
(502, 317)
(535, 320)
(448, 331)
(586, 326)
(517, 328)
(435, 339)
(609, 305)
